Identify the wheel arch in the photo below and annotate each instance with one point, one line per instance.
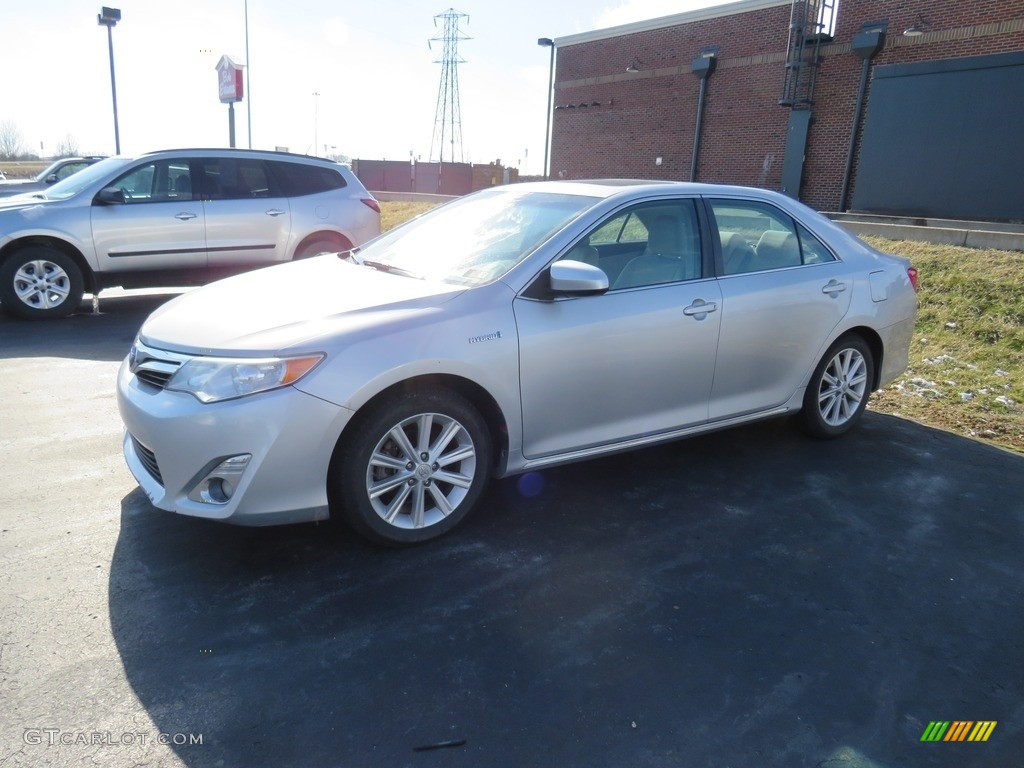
(478, 397)
(88, 276)
(874, 342)
(327, 235)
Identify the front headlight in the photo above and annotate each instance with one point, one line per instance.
(217, 378)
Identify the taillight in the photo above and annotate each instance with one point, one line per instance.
(369, 202)
(912, 274)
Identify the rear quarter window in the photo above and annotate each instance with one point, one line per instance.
(296, 179)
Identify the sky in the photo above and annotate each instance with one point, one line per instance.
(370, 62)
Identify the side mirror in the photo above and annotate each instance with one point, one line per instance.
(110, 196)
(51, 179)
(577, 278)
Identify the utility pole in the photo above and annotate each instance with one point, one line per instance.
(447, 116)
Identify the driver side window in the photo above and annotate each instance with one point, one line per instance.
(648, 244)
(157, 182)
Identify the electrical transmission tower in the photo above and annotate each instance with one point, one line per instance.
(447, 117)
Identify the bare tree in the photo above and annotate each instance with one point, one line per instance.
(68, 146)
(12, 144)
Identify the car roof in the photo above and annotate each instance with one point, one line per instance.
(606, 188)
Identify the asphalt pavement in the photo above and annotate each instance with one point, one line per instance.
(747, 598)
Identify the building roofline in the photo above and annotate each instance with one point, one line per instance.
(700, 14)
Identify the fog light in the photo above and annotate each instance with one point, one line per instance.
(219, 484)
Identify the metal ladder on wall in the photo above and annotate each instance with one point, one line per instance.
(811, 23)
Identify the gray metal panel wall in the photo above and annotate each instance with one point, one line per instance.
(944, 139)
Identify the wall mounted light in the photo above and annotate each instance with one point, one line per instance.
(918, 27)
(635, 66)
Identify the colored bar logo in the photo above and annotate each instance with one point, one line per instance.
(958, 730)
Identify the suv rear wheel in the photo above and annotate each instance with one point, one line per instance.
(39, 281)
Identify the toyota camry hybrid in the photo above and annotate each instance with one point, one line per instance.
(514, 329)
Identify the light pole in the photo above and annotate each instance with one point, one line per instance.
(248, 85)
(316, 122)
(547, 42)
(108, 17)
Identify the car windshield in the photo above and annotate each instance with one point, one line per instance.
(76, 182)
(475, 239)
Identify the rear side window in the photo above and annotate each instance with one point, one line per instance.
(756, 237)
(234, 178)
(297, 179)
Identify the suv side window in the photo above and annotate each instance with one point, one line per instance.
(297, 179)
(234, 178)
(157, 182)
(756, 236)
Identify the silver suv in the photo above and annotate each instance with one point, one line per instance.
(176, 217)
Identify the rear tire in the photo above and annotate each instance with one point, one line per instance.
(39, 281)
(412, 467)
(838, 391)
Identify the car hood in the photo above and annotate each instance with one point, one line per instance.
(26, 200)
(291, 305)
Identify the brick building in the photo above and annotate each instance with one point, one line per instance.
(939, 133)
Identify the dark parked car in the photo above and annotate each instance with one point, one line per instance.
(58, 171)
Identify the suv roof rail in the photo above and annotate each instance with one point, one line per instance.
(238, 149)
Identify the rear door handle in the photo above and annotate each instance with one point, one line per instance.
(185, 216)
(833, 288)
(275, 212)
(700, 308)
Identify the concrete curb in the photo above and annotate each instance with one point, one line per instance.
(969, 236)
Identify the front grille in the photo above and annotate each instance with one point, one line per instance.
(148, 459)
(155, 378)
(154, 367)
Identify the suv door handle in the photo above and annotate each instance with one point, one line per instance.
(700, 307)
(185, 216)
(275, 212)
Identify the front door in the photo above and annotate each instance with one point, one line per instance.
(161, 225)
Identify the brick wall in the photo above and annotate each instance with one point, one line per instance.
(609, 122)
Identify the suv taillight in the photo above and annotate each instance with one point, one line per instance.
(912, 274)
(369, 202)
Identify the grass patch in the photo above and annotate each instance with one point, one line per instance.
(966, 370)
(24, 169)
(393, 213)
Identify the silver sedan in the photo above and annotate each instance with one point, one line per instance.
(508, 331)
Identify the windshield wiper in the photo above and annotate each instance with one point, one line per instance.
(391, 269)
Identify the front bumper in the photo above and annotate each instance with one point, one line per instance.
(172, 441)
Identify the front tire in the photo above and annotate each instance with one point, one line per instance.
(39, 281)
(838, 391)
(412, 467)
(323, 245)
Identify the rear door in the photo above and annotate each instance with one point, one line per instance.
(160, 225)
(783, 292)
(248, 220)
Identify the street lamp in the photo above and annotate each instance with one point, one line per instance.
(547, 42)
(316, 122)
(108, 17)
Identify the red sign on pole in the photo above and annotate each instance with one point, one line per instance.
(229, 79)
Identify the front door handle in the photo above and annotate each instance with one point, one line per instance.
(275, 212)
(700, 308)
(185, 216)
